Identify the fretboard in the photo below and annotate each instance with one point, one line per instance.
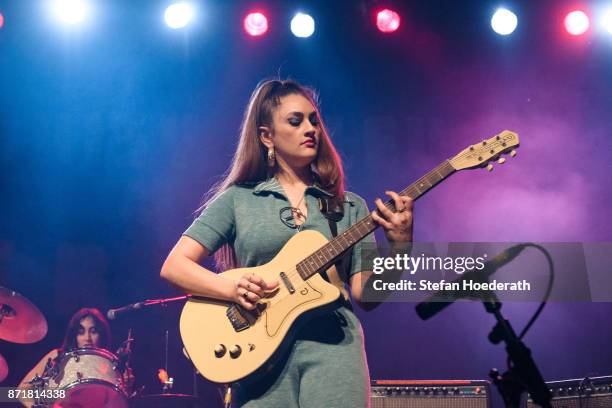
(327, 255)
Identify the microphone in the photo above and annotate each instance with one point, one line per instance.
(112, 313)
(443, 298)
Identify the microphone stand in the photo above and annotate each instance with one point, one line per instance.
(143, 304)
(523, 375)
(162, 302)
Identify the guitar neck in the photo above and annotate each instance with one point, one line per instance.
(326, 256)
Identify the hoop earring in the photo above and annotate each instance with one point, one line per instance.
(271, 157)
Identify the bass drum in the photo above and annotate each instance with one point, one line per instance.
(90, 378)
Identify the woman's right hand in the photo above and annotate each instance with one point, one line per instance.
(250, 289)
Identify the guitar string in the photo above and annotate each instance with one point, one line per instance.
(294, 273)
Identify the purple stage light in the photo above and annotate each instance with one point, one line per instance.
(387, 21)
(255, 24)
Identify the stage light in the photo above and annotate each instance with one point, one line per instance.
(255, 24)
(178, 15)
(1, 20)
(387, 21)
(302, 25)
(606, 20)
(70, 11)
(576, 22)
(504, 22)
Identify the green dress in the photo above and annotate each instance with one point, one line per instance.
(326, 365)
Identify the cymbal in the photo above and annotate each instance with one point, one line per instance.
(20, 321)
(3, 368)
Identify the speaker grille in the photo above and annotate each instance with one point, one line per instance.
(595, 392)
(430, 394)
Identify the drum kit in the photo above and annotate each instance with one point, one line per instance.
(82, 377)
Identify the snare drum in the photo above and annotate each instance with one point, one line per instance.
(91, 378)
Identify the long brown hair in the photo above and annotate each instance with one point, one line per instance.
(74, 325)
(249, 163)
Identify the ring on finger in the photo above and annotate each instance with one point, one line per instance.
(246, 294)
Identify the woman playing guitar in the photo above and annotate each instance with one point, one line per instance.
(284, 168)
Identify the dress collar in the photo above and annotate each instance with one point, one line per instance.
(272, 185)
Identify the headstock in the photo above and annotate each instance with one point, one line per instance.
(480, 154)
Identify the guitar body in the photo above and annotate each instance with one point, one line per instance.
(210, 336)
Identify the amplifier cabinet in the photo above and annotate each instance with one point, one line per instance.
(593, 392)
(430, 394)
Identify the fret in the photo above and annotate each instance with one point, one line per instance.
(426, 183)
(411, 193)
(416, 187)
(312, 264)
(342, 237)
(337, 246)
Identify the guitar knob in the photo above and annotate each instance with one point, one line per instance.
(513, 153)
(489, 167)
(235, 351)
(220, 350)
(502, 160)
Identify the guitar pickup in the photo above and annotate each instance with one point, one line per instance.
(240, 318)
(287, 282)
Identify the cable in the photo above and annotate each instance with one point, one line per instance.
(551, 279)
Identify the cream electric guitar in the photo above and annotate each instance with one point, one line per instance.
(227, 343)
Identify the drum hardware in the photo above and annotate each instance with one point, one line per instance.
(124, 352)
(6, 311)
(39, 383)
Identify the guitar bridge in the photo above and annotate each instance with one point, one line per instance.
(240, 318)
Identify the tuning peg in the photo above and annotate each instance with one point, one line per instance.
(513, 153)
(501, 160)
(489, 167)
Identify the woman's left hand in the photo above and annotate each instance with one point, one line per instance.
(398, 224)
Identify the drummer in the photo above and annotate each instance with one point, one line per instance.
(87, 329)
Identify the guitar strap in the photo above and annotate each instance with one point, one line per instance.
(333, 211)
